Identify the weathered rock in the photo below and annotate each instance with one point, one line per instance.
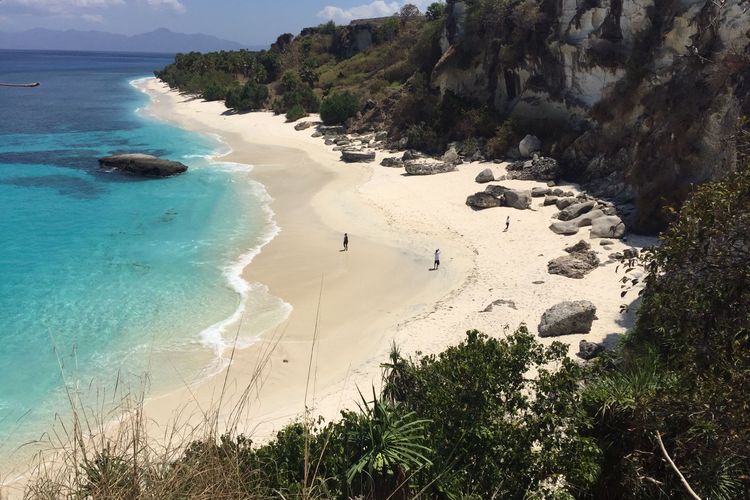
(317, 133)
(303, 125)
(392, 161)
(538, 192)
(609, 226)
(413, 168)
(567, 318)
(331, 130)
(329, 142)
(549, 200)
(528, 145)
(410, 155)
(551, 184)
(451, 156)
(589, 350)
(615, 256)
(355, 156)
(539, 168)
(581, 261)
(343, 142)
(484, 200)
(572, 226)
(485, 175)
(576, 210)
(143, 165)
(381, 136)
(562, 203)
(496, 189)
(605, 242)
(518, 199)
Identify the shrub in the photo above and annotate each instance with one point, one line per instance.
(424, 138)
(251, 96)
(505, 137)
(295, 113)
(338, 107)
(435, 11)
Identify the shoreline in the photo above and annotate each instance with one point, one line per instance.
(347, 308)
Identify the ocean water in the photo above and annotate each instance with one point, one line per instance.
(103, 277)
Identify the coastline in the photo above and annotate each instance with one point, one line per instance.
(394, 223)
(347, 308)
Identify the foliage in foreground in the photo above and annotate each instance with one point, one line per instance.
(683, 374)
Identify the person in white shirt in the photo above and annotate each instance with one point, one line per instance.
(437, 259)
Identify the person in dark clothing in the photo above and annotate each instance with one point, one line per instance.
(346, 242)
(507, 223)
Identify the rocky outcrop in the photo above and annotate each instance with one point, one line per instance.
(303, 125)
(567, 318)
(415, 168)
(483, 200)
(357, 156)
(538, 169)
(580, 261)
(392, 161)
(572, 226)
(142, 165)
(516, 198)
(616, 76)
(576, 210)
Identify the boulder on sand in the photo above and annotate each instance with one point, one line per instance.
(571, 226)
(529, 145)
(303, 125)
(538, 192)
(143, 165)
(485, 175)
(580, 261)
(355, 156)
(392, 161)
(451, 156)
(413, 168)
(567, 318)
(484, 200)
(518, 199)
(609, 226)
(576, 210)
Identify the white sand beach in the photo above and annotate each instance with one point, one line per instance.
(381, 291)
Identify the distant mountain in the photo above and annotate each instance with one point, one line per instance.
(160, 40)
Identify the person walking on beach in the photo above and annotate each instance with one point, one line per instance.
(437, 259)
(346, 242)
(507, 224)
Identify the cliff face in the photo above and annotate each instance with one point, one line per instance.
(652, 90)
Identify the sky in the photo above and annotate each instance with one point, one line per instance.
(252, 22)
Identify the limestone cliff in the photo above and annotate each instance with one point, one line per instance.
(652, 89)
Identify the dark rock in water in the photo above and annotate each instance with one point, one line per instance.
(485, 175)
(354, 156)
(567, 318)
(143, 165)
(484, 200)
(428, 168)
(589, 350)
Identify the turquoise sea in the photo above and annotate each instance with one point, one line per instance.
(103, 277)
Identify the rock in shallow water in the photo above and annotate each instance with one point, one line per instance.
(143, 165)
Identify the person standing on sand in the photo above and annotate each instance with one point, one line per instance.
(346, 242)
(507, 224)
(437, 259)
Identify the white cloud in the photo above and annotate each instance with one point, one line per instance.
(58, 7)
(93, 18)
(377, 8)
(174, 5)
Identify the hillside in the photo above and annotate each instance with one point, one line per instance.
(603, 85)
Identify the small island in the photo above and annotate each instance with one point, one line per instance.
(143, 165)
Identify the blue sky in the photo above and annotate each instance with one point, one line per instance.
(248, 21)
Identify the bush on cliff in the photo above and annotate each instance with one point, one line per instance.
(338, 107)
(251, 96)
(295, 113)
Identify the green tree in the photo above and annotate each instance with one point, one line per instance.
(435, 11)
(339, 107)
(251, 96)
(295, 113)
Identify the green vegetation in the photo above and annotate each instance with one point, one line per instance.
(295, 113)
(251, 96)
(338, 107)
